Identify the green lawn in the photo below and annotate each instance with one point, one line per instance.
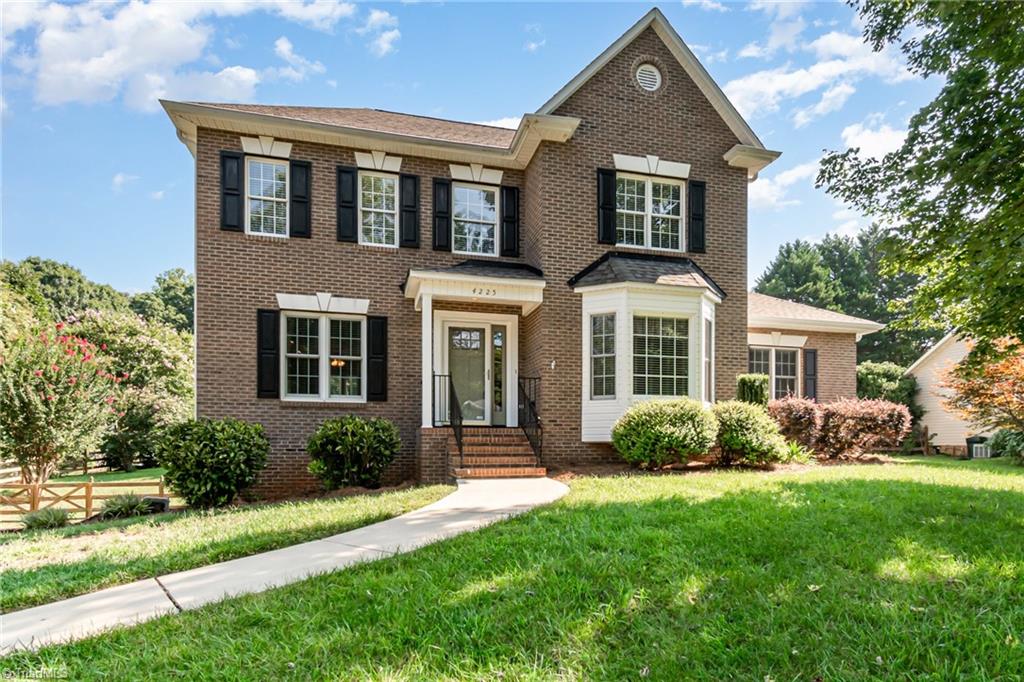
(45, 566)
(153, 474)
(907, 571)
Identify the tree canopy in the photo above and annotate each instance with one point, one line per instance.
(63, 289)
(842, 273)
(951, 199)
(171, 300)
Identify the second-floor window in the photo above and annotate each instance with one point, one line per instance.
(267, 197)
(378, 209)
(649, 212)
(475, 219)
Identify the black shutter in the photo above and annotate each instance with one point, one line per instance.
(409, 220)
(605, 206)
(811, 373)
(698, 189)
(232, 177)
(301, 177)
(348, 220)
(268, 370)
(442, 214)
(377, 358)
(510, 221)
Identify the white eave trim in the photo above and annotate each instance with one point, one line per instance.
(930, 352)
(686, 59)
(450, 286)
(828, 326)
(775, 339)
(754, 159)
(533, 129)
(323, 303)
(678, 289)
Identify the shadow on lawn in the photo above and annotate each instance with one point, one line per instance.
(844, 579)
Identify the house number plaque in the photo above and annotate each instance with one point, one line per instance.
(481, 291)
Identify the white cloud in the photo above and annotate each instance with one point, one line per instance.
(232, 84)
(331, 83)
(384, 44)
(782, 35)
(298, 67)
(157, 195)
(707, 5)
(771, 193)
(843, 58)
(383, 27)
(831, 100)
(708, 55)
(874, 137)
(534, 45)
(97, 52)
(378, 20)
(118, 182)
(506, 122)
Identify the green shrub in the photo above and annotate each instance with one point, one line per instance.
(747, 435)
(352, 451)
(887, 381)
(799, 419)
(124, 506)
(752, 388)
(659, 432)
(46, 519)
(1008, 443)
(209, 461)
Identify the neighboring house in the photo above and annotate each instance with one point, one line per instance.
(947, 430)
(357, 261)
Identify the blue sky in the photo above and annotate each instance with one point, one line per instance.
(93, 174)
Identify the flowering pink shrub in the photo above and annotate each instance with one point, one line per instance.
(799, 419)
(849, 426)
(56, 399)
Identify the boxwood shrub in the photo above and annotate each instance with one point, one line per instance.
(352, 451)
(209, 461)
(659, 432)
(752, 388)
(747, 434)
(799, 419)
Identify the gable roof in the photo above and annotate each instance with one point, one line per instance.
(617, 267)
(770, 312)
(694, 69)
(928, 354)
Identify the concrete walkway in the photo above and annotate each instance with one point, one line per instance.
(476, 503)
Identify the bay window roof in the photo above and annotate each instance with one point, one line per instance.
(616, 267)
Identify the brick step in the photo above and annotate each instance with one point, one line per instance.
(490, 430)
(501, 472)
(495, 450)
(490, 443)
(498, 460)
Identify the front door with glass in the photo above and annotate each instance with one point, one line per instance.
(469, 365)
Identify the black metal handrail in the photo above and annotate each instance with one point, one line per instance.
(529, 420)
(447, 409)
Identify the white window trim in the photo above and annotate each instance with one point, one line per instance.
(590, 354)
(771, 367)
(324, 329)
(287, 196)
(708, 364)
(398, 198)
(689, 354)
(497, 218)
(648, 215)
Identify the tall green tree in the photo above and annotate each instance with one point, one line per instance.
(171, 301)
(64, 289)
(950, 200)
(798, 273)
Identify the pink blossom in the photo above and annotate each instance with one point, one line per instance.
(38, 372)
(55, 368)
(60, 325)
(73, 380)
(49, 397)
(103, 346)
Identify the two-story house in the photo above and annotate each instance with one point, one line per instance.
(524, 286)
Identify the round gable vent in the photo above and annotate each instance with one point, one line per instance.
(648, 77)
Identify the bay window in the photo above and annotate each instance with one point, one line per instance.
(378, 209)
(323, 357)
(475, 219)
(649, 212)
(602, 356)
(782, 367)
(266, 197)
(660, 356)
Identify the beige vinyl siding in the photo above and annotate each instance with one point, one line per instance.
(949, 429)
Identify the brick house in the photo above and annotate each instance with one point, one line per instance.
(533, 282)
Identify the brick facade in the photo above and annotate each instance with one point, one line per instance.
(837, 363)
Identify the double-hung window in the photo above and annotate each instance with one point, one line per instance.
(378, 209)
(475, 219)
(602, 356)
(323, 357)
(266, 196)
(661, 356)
(780, 364)
(649, 212)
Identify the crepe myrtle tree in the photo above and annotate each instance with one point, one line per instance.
(991, 395)
(57, 398)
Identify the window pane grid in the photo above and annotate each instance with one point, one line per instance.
(648, 212)
(378, 209)
(602, 355)
(345, 359)
(475, 220)
(759, 361)
(268, 197)
(660, 356)
(302, 356)
(785, 373)
(323, 357)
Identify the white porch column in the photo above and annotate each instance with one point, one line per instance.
(426, 334)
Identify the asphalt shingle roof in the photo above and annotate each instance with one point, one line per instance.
(615, 267)
(761, 305)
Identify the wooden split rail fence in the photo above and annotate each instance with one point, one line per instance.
(76, 498)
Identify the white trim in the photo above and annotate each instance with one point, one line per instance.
(442, 319)
(359, 206)
(264, 145)
(771, 367)
(589, 353)
(686, 59)
(287, 196)
(753, 158)
(324, 358)
(427, 359)
(860, 328)
(775, 339)
(475, 172)
(930, 352)
(497, 218)
(708, 346)
(377, 160)
(444, 286)
(651, 165)
(646, 286)
(323, 303)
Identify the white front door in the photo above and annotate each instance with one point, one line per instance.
(468, 361)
